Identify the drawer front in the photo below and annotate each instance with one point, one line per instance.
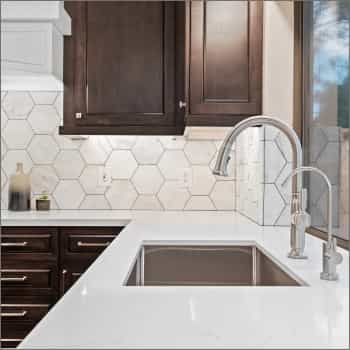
(12, 333)
(86, 243)
(26, 240)
(41, 243)
(25, 279)
(23, 312)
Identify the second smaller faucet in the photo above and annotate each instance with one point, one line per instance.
(330, 257)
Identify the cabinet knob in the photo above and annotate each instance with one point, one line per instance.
(182, 104)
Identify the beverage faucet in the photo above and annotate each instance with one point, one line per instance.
(297, 234)
(330, 257)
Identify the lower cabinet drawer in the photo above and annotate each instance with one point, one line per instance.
(20, 314)
(86, 243)
(26, 278)
(12, 333)
(7, 343)
(24, 241)
(89, 243)
(23, 312)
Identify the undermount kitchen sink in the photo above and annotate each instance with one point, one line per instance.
(206, 265)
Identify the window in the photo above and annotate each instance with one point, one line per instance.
(326, 109)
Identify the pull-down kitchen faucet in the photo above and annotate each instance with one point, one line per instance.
(330, 257)
(299, 215)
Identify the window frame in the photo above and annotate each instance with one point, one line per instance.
(302, 87)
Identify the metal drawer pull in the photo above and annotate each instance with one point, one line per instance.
(63, 284)
(14, 244)
(14, 314)
(13, 279)
(83, 244)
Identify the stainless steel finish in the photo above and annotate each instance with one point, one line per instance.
(140, 264)
(13, 279)
(182, 104)
(14, 314)
(63, 280)
(330, 257)
(254, 267)
(224, 157)
(85, 244)
(11, 340)
(25, 305)
(78, 115)
(206, 265)
(301, 221)
(14, 244)
(142, 267)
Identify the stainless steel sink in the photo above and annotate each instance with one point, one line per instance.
(198, 265)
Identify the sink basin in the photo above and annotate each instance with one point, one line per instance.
(206, 265)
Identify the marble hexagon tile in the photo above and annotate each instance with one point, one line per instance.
(17, 105)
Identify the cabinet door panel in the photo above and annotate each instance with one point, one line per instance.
(70, 273)
(225, 61)
(128, 76)
(124, 67)
(226, 69)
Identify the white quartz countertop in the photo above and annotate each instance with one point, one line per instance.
(66, 218)
(100, 312)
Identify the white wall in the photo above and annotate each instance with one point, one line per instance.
(278, 60)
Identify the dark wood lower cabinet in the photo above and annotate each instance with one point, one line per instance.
(38, 265)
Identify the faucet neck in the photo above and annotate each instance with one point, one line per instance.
(223, 156)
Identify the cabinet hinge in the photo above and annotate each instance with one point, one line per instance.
(78, 115)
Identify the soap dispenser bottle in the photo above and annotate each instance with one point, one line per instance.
(19, 190)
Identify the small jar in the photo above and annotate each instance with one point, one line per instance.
(19, 190)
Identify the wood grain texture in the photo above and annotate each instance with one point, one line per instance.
(48, 252)
(225, 61)
(124, 68)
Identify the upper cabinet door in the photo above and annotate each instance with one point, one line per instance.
(124, 68)
(225, 72)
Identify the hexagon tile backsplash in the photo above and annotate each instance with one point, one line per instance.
(147, 173)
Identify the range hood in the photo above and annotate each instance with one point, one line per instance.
(32, 35)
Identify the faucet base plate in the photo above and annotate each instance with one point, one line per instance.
(296, 255)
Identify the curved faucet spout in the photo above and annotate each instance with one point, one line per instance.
(329, 187)
(297, 250)
(224, 152)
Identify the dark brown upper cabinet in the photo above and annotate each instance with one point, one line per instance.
(124, 68)
(225, 63)
(129, 65)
